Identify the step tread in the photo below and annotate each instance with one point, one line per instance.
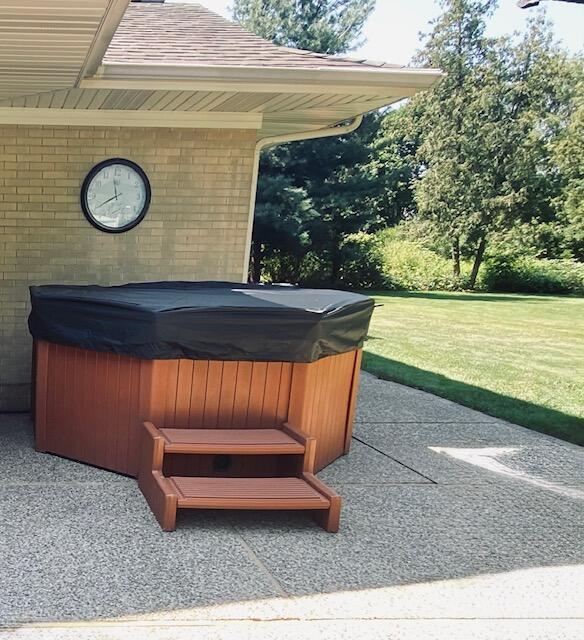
(248, 493)
(226, 440)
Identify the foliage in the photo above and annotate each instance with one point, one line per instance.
(526, 274)
(568, 153)
(313, 194)
(487, 163)
(324, 26)
(394, 166)
(408, 265)
(485, 129)
(449, 190)
(362, 262)
(281, 213)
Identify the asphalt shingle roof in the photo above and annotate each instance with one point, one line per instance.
(191, 35)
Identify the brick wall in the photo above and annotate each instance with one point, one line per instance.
(195, 228)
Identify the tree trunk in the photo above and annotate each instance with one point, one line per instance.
(335, 258)
(456, 257)
(256, 262)
(335, 267)
(477, 262)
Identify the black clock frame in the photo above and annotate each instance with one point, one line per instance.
(85, 186)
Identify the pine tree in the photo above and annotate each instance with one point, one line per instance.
(324, 26)
(308, 191)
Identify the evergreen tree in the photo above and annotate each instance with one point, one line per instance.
(449, 192)
(308, 191)
(324, 26)
(568, 153)
(486, 129)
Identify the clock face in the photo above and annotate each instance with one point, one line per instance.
(115, 195)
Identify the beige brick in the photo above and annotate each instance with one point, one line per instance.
(195, 229)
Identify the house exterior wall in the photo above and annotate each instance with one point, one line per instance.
(195, 228)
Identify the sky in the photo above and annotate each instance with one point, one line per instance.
(392, 31)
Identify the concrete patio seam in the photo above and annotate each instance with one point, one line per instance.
(257, 561)
(383, 453)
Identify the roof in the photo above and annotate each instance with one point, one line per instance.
(190, 34)
(115, 63)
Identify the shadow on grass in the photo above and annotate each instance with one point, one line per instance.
(527, 414)
(470, 297)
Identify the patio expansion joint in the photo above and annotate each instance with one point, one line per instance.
(383, 453)
(256, 560)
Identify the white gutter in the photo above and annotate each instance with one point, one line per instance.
(272, 141)
(377, 81)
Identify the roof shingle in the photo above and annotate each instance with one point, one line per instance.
(191, 35)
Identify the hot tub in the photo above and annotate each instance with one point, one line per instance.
(192, 355)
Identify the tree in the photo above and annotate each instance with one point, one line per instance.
(486, 129)
(324, 26)
(568, 153)
(341, 190)
(448, 192)
(394, 165)
(526, 96)
(307, 191)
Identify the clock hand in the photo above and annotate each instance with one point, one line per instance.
(106, 201)
(115, 189)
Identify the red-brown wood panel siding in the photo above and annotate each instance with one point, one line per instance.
(91, 408)
(320, 403)
(222, 395)
(89, 405)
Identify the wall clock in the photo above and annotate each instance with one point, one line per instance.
(115, 195)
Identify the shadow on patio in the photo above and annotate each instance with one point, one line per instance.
(534, 416)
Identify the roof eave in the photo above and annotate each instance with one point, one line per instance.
(399, 81)
(110, 21)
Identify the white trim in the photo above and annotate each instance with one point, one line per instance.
(398, 81)
(109, 23)
(131, 118)
(272, 141)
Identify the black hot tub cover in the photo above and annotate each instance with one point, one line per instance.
(202, 320)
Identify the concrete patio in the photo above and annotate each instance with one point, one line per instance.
(455, 525)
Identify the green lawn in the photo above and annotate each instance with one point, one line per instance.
(517, 357)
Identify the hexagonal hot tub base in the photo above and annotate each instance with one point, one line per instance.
(89, 405)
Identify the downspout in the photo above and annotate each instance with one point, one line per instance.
(272, 141)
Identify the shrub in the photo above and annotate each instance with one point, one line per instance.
(409, 266)
(525, 274)
(362, 261)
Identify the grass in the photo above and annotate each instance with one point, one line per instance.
(517, 357)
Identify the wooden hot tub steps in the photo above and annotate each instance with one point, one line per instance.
(247, 493)
(230, 441)
(165, 495)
